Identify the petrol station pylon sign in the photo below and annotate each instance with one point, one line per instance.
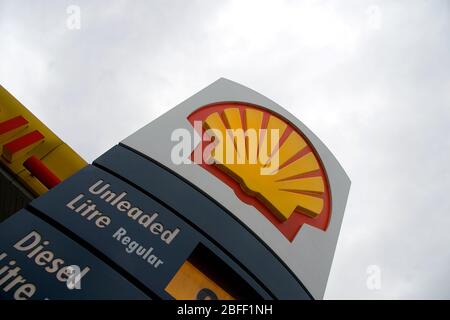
(226, 196)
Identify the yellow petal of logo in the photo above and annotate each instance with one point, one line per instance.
(268, 163)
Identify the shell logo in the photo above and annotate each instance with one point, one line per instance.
(290, 193)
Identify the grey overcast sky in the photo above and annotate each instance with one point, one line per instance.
(370, 78)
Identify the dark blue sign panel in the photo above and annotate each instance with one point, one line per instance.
(136, 232)
(209, 218)
(39, 262)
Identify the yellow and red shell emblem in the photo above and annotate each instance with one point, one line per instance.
(295, 192)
